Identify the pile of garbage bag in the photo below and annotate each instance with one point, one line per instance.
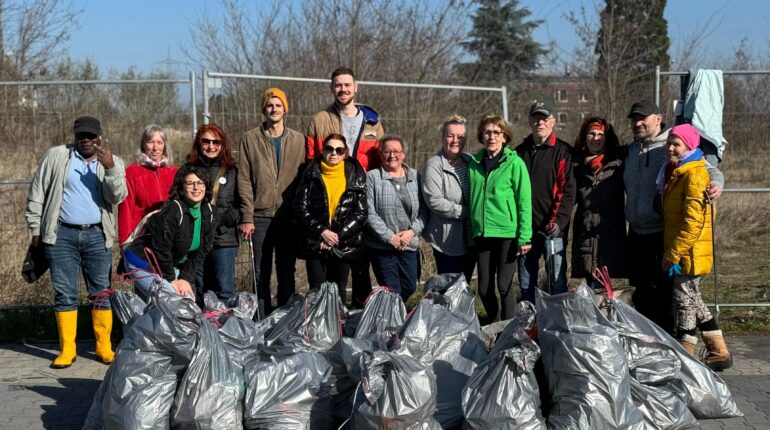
(313, 364)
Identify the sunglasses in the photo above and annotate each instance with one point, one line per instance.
(340, 150)
(205, 141)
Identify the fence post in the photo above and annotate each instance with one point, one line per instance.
(657, 85)
(205, 96)
(192, 103)
(504, 95)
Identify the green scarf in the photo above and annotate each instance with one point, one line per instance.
(195, 212)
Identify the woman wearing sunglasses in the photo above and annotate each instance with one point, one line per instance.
(330, 205)
(176, 239)
(148, 180)
(211, 152)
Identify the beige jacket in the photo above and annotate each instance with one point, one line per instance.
(265, 189)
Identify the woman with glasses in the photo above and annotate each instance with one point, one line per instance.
(148, 180)
(396, 218)
(599, 228)
(330, 205)
(446, 191)
(211, 152)
(176, 239)
(501, 215)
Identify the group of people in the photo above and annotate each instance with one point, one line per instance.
(342, 198)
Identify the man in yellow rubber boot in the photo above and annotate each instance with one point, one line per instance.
(71, 209)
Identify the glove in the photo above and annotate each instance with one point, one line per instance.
(553, 230)
(675, 269)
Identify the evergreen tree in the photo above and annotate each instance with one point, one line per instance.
(501, 40)
(632, 40)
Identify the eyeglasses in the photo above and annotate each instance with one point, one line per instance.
(594, 135)
(215, 142)
(194, 184)
(392, 153)
(339, 150)
(536, 120)
(496, 133)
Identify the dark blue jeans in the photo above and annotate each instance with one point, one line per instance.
(455, 263)
(217, 273)
(529, 266)
(395, 269)
(77, 251)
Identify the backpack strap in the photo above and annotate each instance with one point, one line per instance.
(215, 188)
(181, 211)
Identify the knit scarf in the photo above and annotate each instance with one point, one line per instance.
(595, 162)
(146, 161)
(334, 181)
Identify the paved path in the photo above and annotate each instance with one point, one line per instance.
(33, 396)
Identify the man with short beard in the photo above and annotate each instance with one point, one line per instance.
(360, 124)
(270, 158)
(549, 163)
(644, 213)
(71, 208)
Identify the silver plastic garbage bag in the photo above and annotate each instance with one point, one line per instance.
(127, 307)
(210, 392)
(502, 393)
(396, 393)
(585, 366)
(289, 392)
(707, 395)
(140, 385)
(384, 314)
(453, 292)
(313, 323)
(450, 342)
(345, 357)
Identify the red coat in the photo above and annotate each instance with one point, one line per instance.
(147, 190)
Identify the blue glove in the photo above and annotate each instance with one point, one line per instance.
(675, 269)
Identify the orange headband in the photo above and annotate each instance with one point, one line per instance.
(596, 125)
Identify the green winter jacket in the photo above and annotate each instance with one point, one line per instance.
(501, 203)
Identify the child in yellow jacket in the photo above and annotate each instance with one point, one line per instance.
(688, 249)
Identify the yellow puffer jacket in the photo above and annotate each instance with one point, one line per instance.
(687, 215)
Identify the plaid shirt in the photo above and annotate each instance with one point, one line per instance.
(383, 201)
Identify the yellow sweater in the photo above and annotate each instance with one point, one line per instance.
(334, 181)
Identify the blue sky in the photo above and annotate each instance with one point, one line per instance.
(117, 34)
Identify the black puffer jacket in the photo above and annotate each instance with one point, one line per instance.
(227, 206)
(599, 232)
(170, 241)
(311, 207)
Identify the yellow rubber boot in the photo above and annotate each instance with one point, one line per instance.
(102, 320)
(67, 323)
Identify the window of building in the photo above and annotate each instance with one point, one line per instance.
(562, 117)
(561, 95)
(583, 97)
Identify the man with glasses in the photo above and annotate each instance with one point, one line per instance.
(549, 163)
(71, 209)
(360, 125)
(270, 158)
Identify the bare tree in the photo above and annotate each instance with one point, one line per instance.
(33, 34)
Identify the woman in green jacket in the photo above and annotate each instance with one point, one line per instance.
(501, 215)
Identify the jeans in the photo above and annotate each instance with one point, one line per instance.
(455, 263)
(653, 294)
(279, 235)
(217, 273)
(144, 280)
(396, 269)
(320, 270)
(529, 266)
(497, 264)
(76, 251)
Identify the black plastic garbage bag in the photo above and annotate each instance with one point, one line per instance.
(384, 314)
(210, 392)
(397, 392)
(706, 394)
(289, 392)
(313, 323)
(450, 342)
(502, 392)
(585, 366)
(140, 385)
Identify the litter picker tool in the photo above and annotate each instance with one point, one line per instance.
(260, 303)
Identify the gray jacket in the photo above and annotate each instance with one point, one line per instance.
(382, 199)
(443, 197)
(644, 211)
(46, 193)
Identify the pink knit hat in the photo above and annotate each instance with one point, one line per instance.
(688, 134)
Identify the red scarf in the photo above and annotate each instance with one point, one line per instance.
(595, 163)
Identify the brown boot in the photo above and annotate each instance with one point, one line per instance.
(718, 357)
(688, 343)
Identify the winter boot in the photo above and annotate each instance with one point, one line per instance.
(718, 357)
(688, 342)
(102, 320)
(67, 322)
